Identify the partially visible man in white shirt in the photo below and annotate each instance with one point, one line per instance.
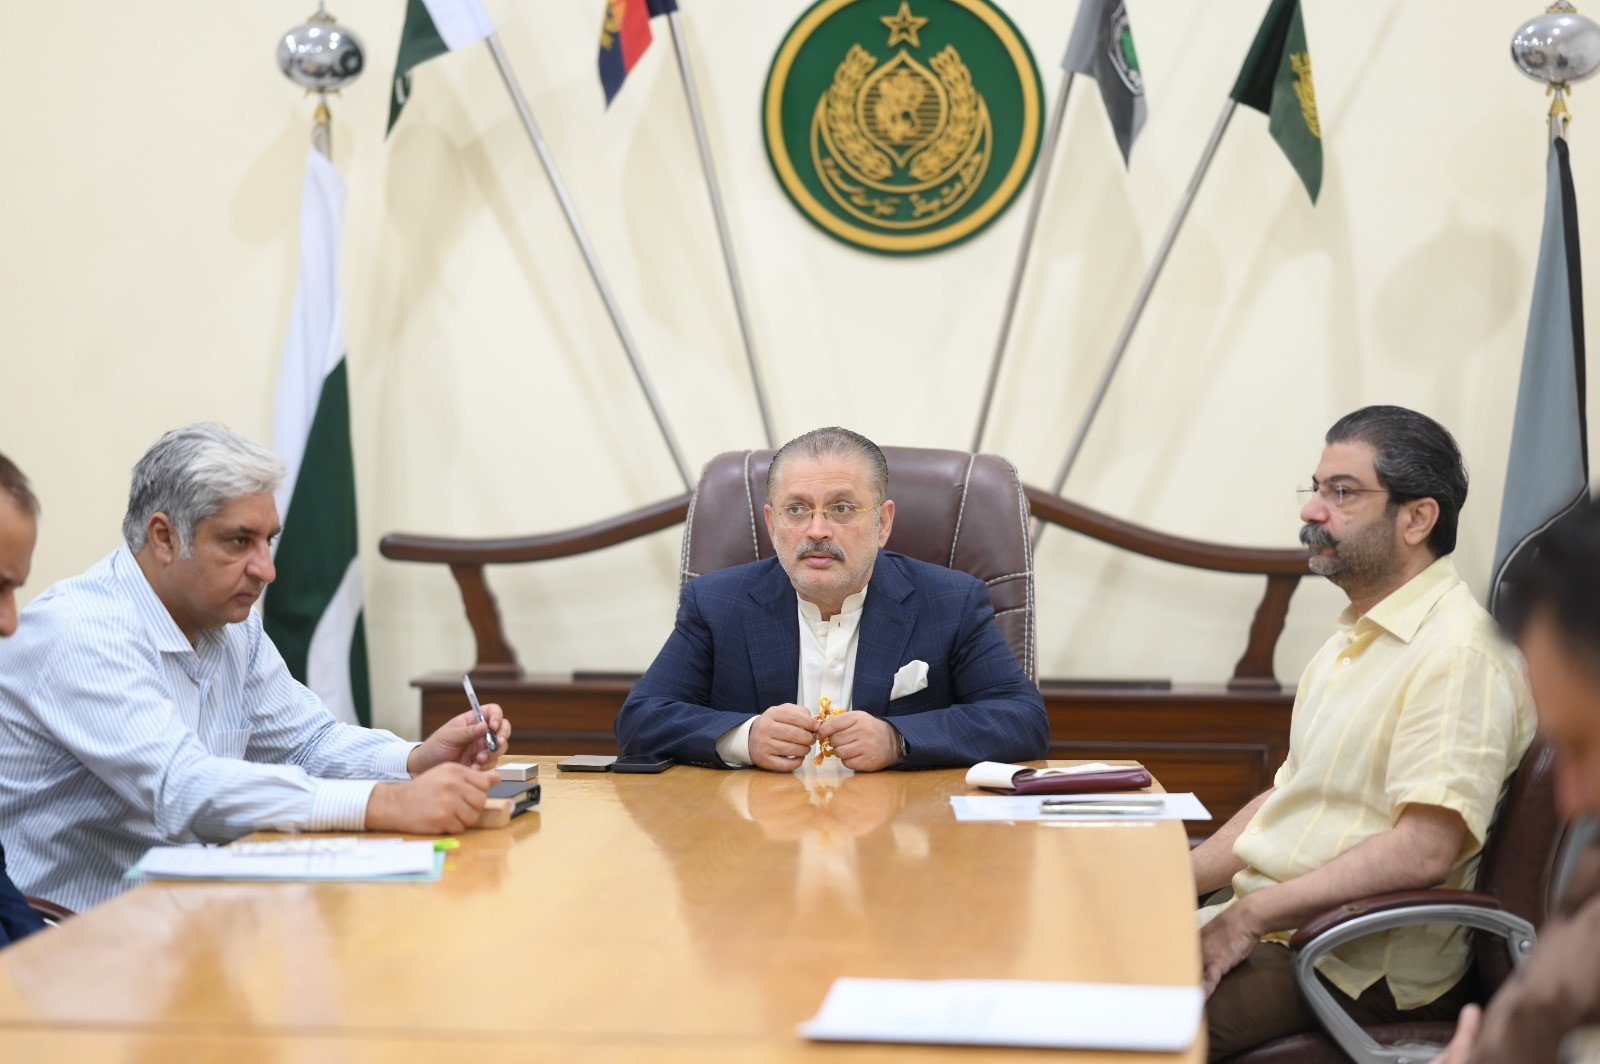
(19, 529)
(142, 704)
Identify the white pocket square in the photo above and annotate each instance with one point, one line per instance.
(912, 677)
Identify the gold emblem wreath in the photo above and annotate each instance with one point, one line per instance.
(940, 162)
(839, 107)
(1300, 63)
(961, 131)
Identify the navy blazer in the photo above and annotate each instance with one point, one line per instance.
(17, 918)
(735, 651)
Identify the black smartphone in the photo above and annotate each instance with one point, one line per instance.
(642, 763)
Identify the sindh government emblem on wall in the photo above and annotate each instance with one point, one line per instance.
(902, 126)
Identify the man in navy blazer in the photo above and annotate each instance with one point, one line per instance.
(909, 650)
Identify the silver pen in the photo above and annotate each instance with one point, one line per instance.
(1132, 806)
(472, 696)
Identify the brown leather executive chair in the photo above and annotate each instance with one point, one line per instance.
(1516, 883)
(962, 511)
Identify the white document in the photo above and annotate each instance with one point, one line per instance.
(370, 860)
(1005, 1012)
(1000, 774)
(1072, 808)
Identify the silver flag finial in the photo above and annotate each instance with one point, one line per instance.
(320, 55)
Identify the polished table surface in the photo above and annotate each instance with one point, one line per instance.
(680, 916)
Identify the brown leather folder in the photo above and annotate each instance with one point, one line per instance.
(1040, 781)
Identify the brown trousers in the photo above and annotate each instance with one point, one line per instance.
(1259, 1001)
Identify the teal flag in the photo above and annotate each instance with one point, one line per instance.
(1548, 473)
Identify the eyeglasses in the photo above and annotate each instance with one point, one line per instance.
(835, 513)
(1336, 495)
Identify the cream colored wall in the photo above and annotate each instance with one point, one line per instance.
(149, 217)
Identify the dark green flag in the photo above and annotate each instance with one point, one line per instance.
(1276, 80)
(432, 28)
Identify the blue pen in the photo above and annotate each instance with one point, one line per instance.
(472, 696)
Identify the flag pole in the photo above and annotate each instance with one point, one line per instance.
(680, 44)
(1139, 302)
(1558, 112)
(571, 211)
(1040, 181)
(322, 128)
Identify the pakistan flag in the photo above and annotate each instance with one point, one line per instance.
(1276, 80)
(432, 28)
(312, 612)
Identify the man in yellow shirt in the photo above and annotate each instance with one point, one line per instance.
(1406, 726)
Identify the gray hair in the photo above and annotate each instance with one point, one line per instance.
(191, 474)
(14, 484)
(833, 442)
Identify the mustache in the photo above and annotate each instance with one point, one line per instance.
(1317, 536)
(812, 546)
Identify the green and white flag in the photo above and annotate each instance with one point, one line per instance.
(1101, 47)
(433, 27)
(1276, 80)
(313, 610)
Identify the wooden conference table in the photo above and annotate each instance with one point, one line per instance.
(688, 916)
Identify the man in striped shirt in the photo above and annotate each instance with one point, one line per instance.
(141, 704)
(1406, 726)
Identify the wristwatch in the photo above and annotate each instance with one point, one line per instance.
(905, 751)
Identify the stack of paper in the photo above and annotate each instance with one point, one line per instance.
(376, 860)
(1004, 1012)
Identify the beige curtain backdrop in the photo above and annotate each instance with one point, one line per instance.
(150, 212)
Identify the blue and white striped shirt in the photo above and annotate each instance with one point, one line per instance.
(116, 735)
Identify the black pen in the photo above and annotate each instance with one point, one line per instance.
(472, 696)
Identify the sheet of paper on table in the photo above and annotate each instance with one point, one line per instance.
(1004, 1012)
(382, 860)
(1118, 806)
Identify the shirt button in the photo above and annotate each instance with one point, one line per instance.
(1255, 831)
(1346, 661)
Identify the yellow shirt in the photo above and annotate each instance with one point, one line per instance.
(1419, 701)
